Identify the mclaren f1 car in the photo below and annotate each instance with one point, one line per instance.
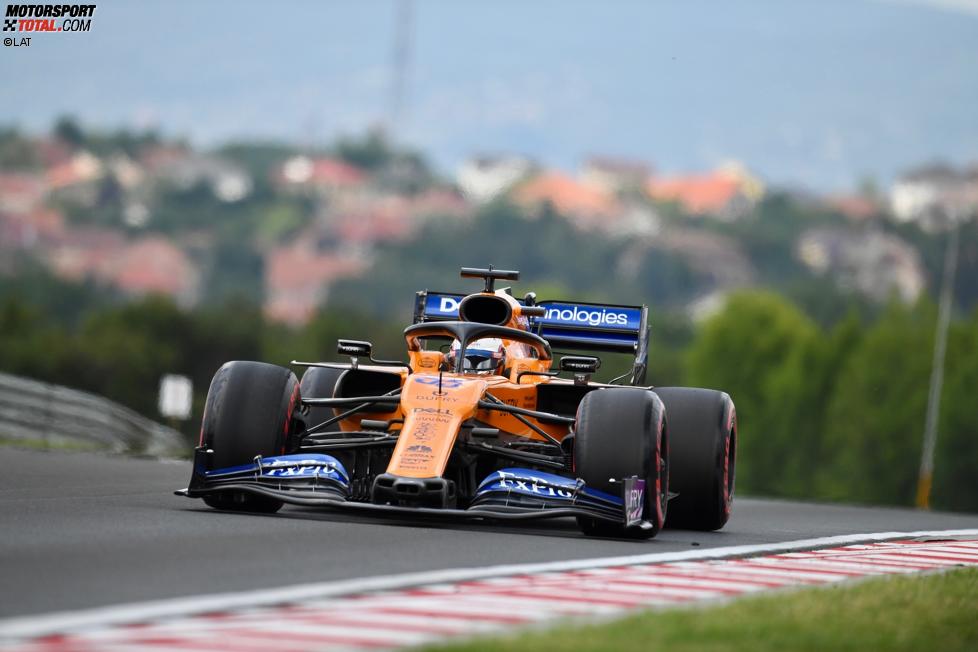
(483, 421)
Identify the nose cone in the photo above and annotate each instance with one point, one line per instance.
(434, 406)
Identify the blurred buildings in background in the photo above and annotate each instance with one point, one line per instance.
(935, 195)
(147, 216)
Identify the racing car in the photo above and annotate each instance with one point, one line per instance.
(483, 421)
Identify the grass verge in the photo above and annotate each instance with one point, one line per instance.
(924, 612)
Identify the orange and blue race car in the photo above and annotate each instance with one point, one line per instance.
(481, 422)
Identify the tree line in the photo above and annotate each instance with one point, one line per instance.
(837, 413)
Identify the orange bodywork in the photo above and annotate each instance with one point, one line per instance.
(433, 412)
(431, 422)
(432, 418)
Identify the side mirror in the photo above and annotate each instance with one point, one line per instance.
(354, 348)
(357, 349)
(580, 364)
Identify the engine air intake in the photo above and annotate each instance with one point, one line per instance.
(485, 309)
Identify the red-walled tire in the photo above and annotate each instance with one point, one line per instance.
(249, 412)
(703, 437)
(621, 433)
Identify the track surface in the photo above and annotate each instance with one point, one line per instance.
(79, 530)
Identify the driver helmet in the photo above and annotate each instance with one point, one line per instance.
(487, 355)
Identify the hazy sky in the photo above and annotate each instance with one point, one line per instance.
(811, 93)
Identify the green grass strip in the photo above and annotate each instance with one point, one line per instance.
(928, 612)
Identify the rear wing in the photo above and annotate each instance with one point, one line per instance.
(569, 325)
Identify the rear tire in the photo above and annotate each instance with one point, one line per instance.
(621, 433)
(320, 382)
(249, 412)
(703, 430)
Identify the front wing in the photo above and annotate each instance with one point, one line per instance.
(317, 480)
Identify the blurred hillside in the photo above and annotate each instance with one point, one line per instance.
(365, 224)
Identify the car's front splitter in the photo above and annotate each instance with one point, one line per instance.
(316, 480)
(331, 501)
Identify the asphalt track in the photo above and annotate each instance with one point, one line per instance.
(80, 530)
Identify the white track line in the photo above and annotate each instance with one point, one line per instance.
(73, 621)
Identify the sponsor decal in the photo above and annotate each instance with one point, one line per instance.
(423, 430)
(581, 366)
(448, 305)
(446, 383)
(634, 500)
(426, 363)
(416, 457)
(424, 424)
(442, 305)
(424, 410)
(292, 466)
(293, 471)
(436, 397)
(558, 314)
(35, 18)
(554, 486)
(569, 314)
(288, 468)
(540, 484)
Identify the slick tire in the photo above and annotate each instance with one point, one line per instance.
(249, 412)
(703, 437)
(319, 382)
(622, 433)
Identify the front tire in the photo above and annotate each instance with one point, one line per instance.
(249, 412)
(703, 429)
(621, 433)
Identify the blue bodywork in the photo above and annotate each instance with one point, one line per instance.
(303, 465)
(510, 488)
(584, 324)
(302, 472)
(319, 480)
(529, 490)
(538, 484)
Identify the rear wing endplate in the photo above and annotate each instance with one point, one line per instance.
(569, 325)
